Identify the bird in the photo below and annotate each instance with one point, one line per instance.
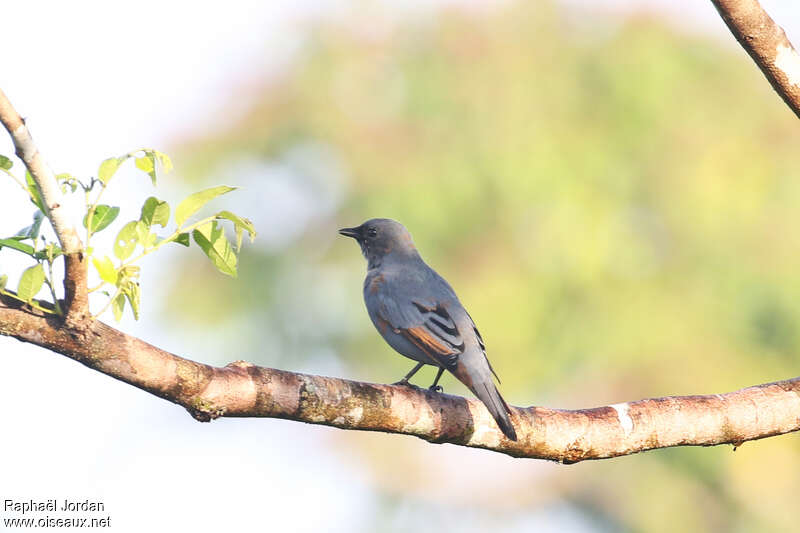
(419, 315)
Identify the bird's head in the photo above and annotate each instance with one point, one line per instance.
(380, 238)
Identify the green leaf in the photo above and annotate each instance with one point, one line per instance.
(105, 268)
(155, 211)
(183, 239)
(143, 235)
(5, 163)
(211, 238)
(118, 306)
(108, 168)
(131, 292)
(30, 283)
(163, 160)
(38, 217)
(126, 240)
(147, 163)
(3, 281)
(50, 252)
(33, 189)
(32, 231)
(195, 201)
(141, 232)
(16, 245)
(240, 223)
(103, 216)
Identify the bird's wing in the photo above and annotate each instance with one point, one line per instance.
(428, 325)
(483, 347)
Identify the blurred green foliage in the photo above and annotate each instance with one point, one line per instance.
(613, 200)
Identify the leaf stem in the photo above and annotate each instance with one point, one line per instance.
(97, 287)
(32, 303)
(108, 304)
(48, 280)
(91, 210)
(19, 181)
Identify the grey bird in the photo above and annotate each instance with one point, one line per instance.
(419, 315)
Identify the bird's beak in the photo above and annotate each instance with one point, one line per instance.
(351, 232)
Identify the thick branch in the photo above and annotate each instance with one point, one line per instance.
(75, 285)
(241, 389)
(767, 44)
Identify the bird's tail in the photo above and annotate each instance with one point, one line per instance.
(487, 392)
(480, 382)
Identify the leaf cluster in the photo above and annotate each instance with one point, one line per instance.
(117, 268)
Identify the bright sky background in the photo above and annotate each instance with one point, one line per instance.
(94, 80)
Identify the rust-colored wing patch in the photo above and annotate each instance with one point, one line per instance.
(421, 336)
(437, 349)
(430, 328)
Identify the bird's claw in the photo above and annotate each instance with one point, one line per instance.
(436, 388)
(405, 383)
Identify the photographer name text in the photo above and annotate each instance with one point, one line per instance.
(52, 505)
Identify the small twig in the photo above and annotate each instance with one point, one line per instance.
(33, 303)
(108, 304)
(97, 287)
(49, 280)
(18, 181)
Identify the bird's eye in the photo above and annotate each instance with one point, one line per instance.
(372, 232)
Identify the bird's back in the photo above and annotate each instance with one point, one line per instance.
(404, 283)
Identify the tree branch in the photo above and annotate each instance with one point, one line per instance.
(45, 179)
(767, 44)
(241, 389)
(75, 284)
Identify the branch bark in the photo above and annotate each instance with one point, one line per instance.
(241, 389)
(767, 44)
(75, 279)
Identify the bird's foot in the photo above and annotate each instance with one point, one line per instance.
(436, 388)
(405, 383)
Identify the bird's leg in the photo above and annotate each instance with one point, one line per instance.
(435, 387)
(404, 381)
